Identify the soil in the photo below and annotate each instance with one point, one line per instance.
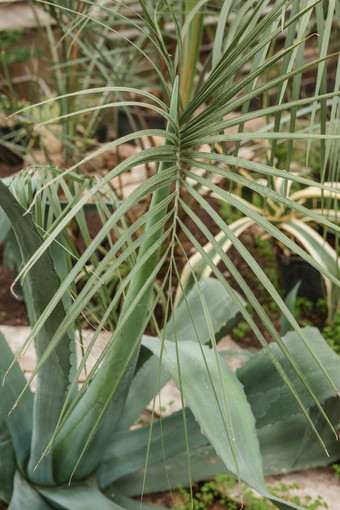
(12, 311)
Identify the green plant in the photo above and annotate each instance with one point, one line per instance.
(218, 491)
(63, 445)
(331, 333)
(240, 330)
(336, 468)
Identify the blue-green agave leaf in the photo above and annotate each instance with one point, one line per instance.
(128, 503)
(224, 315)
(25, 497)
(19, 422)
(171, 472)
(53, 378)
(5, 224)
(216, 398)
(142, 391)
(7, 462)
(132, 450)
(78, 496)
(269, 398)
(289, 444)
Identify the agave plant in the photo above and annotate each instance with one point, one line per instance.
(66, 444)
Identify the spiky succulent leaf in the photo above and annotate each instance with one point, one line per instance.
(188, 323)
(78, 496)
(19, 421)
(269, 398)
(25, 496)
(7, 462)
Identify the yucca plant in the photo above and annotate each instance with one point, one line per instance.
(67, 446)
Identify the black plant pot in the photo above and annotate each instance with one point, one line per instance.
(293, 269)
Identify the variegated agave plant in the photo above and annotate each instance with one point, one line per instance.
(298, 214)
(64, 446)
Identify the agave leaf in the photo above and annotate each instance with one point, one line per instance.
(25, 497)
(78, 496)
(133, 450)
(223, 412)
(173, 471)
(290, 302)
(53, 379)
(142, 391)
(5, 225)
(19, 422)
(288, 445)
(268, 396)
(189, 322)
(7, 462)
(128, 503)
(7, 469)
(12, 261)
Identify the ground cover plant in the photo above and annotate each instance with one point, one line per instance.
(63, 445)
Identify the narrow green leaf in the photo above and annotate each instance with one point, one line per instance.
(269, 397)
(126, 453)
(78, 496)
